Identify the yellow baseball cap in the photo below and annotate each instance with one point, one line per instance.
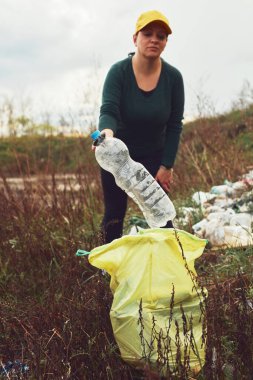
(151, 16)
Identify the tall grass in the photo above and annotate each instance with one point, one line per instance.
(54, 313)
(54, 307)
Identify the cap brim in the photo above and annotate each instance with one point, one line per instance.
(166, 26)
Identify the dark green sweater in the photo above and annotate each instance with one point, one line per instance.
(146, 122)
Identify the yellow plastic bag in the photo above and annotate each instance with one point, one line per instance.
(158, 309)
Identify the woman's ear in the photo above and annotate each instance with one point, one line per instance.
(135, 38)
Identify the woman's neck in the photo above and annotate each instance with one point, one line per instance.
(147, 72)
(146, 66)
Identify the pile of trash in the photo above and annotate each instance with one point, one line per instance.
(227, 211)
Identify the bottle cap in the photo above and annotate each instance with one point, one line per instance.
(95, 135)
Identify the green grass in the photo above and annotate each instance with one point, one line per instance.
(39, 154)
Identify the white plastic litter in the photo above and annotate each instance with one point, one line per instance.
(227, 211)
(240, 186)
(200, 227)
(201, 197)
(213, 232)
(211, 209)
(222, 217)
(236, 236)
(242, 219)
(246, 207)
(221, 189)
(223, 201)
(231, 236)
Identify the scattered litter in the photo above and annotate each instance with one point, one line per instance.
(227, 211)
(201, 197)
(242, 219)
(221, 189)
(15, 369)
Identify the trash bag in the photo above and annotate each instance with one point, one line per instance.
(157, 312)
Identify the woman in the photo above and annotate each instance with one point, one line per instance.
(142, 104)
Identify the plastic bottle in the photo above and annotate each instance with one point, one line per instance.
(132, 177)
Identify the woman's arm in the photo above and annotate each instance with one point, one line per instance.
(165, 177)
(174, 124)
(110, 108)
(174, 128)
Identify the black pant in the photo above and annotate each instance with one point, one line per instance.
(116, 199)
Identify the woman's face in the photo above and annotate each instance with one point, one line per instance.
(151, 40)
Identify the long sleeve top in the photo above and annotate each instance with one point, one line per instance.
(147, 122)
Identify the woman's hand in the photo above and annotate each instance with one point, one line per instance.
(107, 132)
(165, 178)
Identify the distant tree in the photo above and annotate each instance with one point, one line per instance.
(45, 129)
(14, 120)
(24, 124)
(11, 122)
(204, 103)
(244, 98)
(2, 119)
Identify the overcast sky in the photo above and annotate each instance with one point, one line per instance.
(58, 51)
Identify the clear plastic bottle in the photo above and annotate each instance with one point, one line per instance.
(132, 177)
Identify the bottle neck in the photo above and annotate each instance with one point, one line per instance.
(99, 140)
